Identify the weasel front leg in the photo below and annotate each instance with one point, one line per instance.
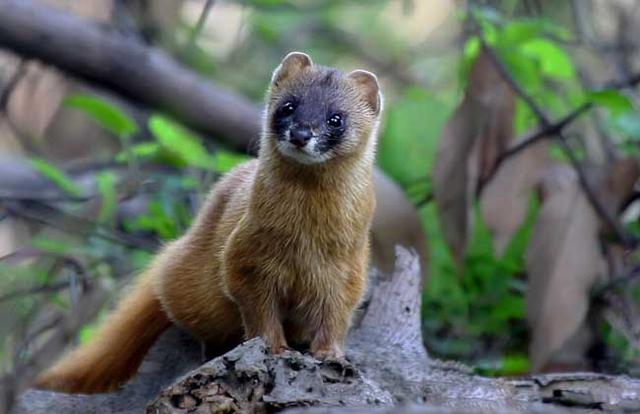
(333, 317)
(328, 341)
(261, 318)
(259, 308)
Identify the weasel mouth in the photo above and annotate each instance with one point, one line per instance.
(303, 155)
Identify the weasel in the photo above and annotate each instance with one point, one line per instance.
(280, 248)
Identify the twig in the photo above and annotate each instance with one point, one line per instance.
(90, 303)
(51, 198)
(197, 29)
(515, 86)
(34, 291)
(629, 82)
(5, 94)
(616, 282)
(425, 200)
(42, 213)
(535, 136)
(610, 220)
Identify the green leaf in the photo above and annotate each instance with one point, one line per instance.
(157, 220)
(524, 69)
(86, 333)
(518, 32)
(409, 146)
(516, 364)
(613, 100)
(490, 32)
(109, 195)
(181, 142)
(469, 54)
(471, 48)
(554, 62)
(105, 114)
(57, 176)
(55, 246)
(143, 150)
(227, 160)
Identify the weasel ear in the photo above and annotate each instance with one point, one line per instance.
(367, 84)
(291, 65)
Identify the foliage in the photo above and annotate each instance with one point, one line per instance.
(57, 176)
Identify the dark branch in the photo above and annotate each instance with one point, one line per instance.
(109, 59)
(597, 205)
(197, 29)
(535, 136)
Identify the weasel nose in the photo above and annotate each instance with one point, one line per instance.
(300, 135)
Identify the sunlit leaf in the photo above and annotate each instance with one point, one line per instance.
(143, 150)
(525, 70)
(613, 100)
(469, 54)
(57, 176)
(226, 160)
(104, 113)
(409, 146)
(86, 333)
(490, 32)
(554, 62)
(471, 48)
(515, 364)
(180, 141)
(109, 196)
(518, 32)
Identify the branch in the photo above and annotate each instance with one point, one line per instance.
(609, 219)
(66, 262)
(197, 29)
(114, 61)
(535, 136)
(49, 215)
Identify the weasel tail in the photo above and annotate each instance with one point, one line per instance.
(115, 353)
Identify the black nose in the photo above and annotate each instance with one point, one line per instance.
(300, 135)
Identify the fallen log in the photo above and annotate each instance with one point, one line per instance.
(388, 367)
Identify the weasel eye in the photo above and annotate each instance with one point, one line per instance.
(335, 121)
(287, 109)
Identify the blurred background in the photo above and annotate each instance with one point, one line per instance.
(511, 127)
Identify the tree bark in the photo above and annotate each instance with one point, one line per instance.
(389, 369)
(123, 64)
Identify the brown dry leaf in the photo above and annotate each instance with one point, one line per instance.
(504, 202)
(563, 262)
(395, 223)
(478, 132)
(619, 183)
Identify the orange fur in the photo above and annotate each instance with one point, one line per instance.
(279, 250)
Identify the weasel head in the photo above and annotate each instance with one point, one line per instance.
(316, 114)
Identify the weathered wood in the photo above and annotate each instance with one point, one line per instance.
(388, 366)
